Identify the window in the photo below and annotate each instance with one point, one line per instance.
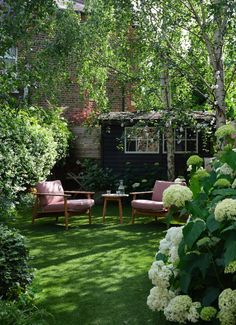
(141, 140)
(186, 140)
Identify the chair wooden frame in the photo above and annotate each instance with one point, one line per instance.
(155, 214)
(37, 213)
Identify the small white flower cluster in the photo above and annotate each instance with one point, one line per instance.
(135, 185)
(176, 195)
(160, 274)
(170, 244)
(181, 309)
(159, 298)
(225, 169)
(234, 184)
(231, 268)
(162, 295)
(227, 305)
(225, 210)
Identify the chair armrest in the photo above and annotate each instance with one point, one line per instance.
(86, 193)
(52, 194)
(137, 193)
(79, 192)
(145, 192)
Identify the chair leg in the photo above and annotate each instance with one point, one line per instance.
(89, 215)
(33, 218)
(133, 215)
(34, 213)
(66, 220)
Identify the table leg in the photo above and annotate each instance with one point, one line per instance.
(120, 210)
(104, 210)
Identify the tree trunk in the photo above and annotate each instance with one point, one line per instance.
(215, 52)
(169, 132)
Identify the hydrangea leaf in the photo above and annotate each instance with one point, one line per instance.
(231, 227)
(212, 224)
(192, 231)
(230, 248)
(185, 279)
(211, 294)
(224, 192)
(191, 263)
(229, 157)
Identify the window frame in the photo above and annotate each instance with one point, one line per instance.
(138, 138)
(185, 139)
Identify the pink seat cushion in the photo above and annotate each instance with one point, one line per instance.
(150, 205)
(72, 206)
(159, 188)
(50, 187)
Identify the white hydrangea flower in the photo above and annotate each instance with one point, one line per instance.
(225, 169)
(227, 300)
(174, 255)
(136, 185)
(176, 195)
(225, 210)
(231, 268)
(193, 315)
(159, 298)
(164, 246)
(170, 244)
(181, 309)
(160, 274)
(174, 235)
(226, 318)
(234, 184)
(190, 167)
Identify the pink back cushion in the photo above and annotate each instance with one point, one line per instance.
(159, 188)
(50, 187)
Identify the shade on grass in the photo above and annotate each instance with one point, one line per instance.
(94, 274)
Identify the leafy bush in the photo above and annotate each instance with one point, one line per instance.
(15, 274)
(12, 313)
(95, 178)
(31, 142)
(133, 181)
(194, 272)
(52, 119)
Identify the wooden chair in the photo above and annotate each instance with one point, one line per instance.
(52, 200)
(153, 207)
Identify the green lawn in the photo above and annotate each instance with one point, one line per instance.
(94, 274)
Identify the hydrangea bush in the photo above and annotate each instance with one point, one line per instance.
(194, 274)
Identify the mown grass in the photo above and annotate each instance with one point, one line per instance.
(94, 274)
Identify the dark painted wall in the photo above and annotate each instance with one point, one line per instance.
(114, 158)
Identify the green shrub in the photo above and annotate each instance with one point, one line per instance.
(11, 313)
(52, 119)
(15, 274)
(135, 181)
(31, 142)
(95, 178)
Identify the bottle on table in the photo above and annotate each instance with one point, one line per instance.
(121, 188)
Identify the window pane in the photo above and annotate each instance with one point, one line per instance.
(180, 146)
(131, 145)
(142, 140)
(164, 146)
(153, 146)
(180, 133)
(191, 146)
(191, 134)
(142, 145)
